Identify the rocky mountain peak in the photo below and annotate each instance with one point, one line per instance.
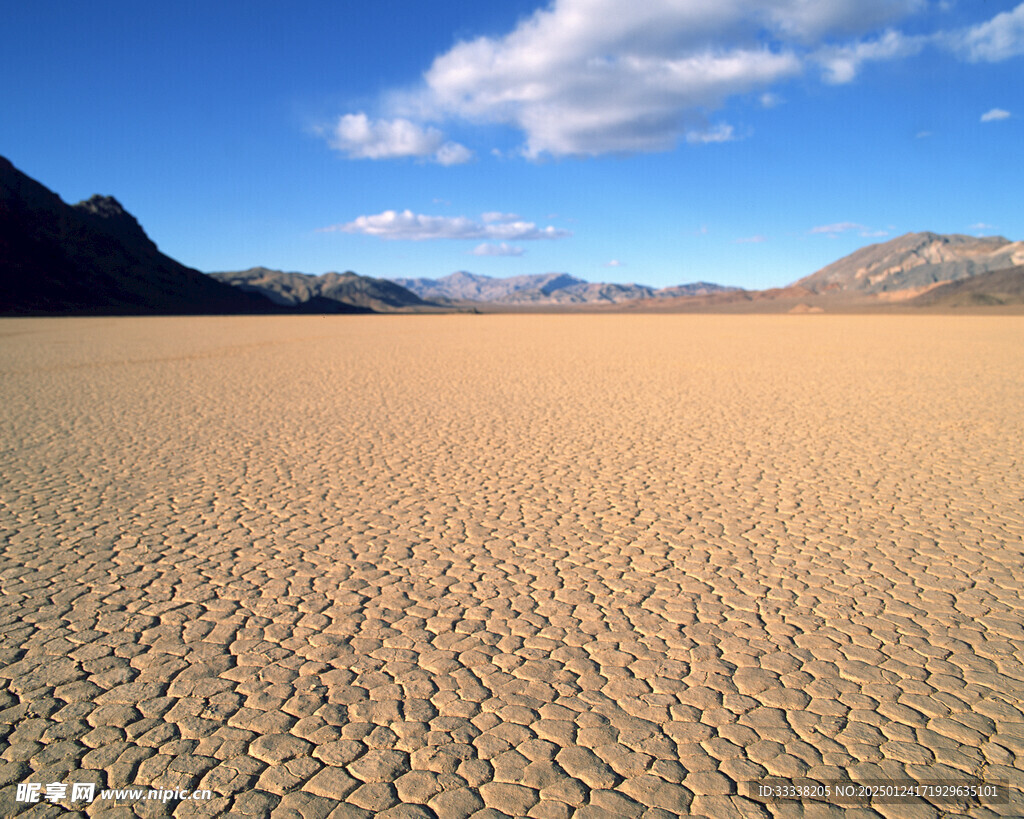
(109, 214)
(106, 206)
(94, 259)
(912, 262)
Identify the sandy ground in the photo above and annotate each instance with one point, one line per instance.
(493, 566)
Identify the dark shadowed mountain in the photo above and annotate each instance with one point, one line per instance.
(544, 288)
(913, 263)
(296, 289)
(93, 258)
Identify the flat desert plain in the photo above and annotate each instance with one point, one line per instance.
(511, 565)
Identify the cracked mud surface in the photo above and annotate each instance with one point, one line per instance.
(541, 566)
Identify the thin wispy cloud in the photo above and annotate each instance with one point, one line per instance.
(750, 240)
(498, 216)
(720, 133)
(842, 63)
(614, 263)
(836, 228)
(994, 115)
(502, 249)
(392, 224)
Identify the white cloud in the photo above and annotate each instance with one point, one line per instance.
(995, 115)
(498, 216)
(502, 249)
(997, 39)
(591, 77)
(981, 226)
(841, 63)
(451, 153)
(922, 135)
(587, 77)
(614, 263)
(813, 19)
(837, 227)
(572, 98)
(720, 133)
(751, 240)
(405, 224)
(360, 137)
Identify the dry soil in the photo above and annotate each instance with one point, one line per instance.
(511, 565)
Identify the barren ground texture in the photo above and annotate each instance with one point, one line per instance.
(542, 566)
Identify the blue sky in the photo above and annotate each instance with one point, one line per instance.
(738, 141)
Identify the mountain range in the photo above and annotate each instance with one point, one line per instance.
(94, 258)
(296, 289)
(544, 288)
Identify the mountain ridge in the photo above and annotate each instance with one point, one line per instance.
(994, 288)
(294, 289)
(543, 288)
(913, 262)
(94, 258)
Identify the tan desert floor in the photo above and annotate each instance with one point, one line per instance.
(493, 566)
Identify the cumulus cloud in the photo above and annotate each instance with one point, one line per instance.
(591, 77)
(997, 39)
(392, 224)
(360, 137)
(580, 81)
(994, 115)
(451, 153)
(503, 249)
(587, 77)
